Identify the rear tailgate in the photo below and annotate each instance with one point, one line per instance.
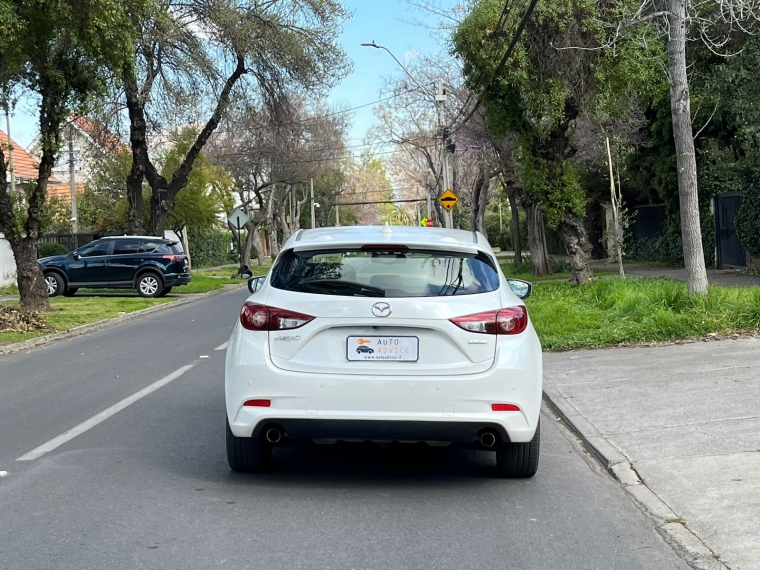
(330, 343)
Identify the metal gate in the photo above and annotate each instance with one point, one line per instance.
(730, 251)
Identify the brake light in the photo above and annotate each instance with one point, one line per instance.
(505, 321)
(173, 258)
(384, 247)
(258, 403)
(255, 317)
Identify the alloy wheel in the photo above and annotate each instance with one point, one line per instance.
(51, 283)
(148, 285)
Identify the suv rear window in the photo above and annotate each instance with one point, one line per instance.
(385, 273)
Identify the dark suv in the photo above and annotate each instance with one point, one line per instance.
(150, 265)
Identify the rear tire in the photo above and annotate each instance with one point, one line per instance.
(165, 291)
(149, 284)
(247, 454)
(54, 284)
(70, 292)
(519, 460)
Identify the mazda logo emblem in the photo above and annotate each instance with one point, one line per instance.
(381, 310)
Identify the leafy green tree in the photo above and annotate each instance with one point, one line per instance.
(101, 205)
(542, 89)
(265, 48)
(207, 195)
(58, 50)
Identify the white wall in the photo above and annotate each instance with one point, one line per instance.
(7, 264)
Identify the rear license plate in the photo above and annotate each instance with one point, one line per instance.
(383, 348)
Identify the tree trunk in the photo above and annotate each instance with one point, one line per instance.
(539, 257)
(680, 107)
(161, 202)
(516, 246)
(753, 261)
(479, 199)
(31, 281)
(164, 191)
(250, 238)
(139, 146)
(578, 248)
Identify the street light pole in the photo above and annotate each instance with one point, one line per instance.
(440, 99)
(11, 172)
(313, 211)
(73, 183)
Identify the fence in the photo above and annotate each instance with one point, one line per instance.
(71, 241)
(648, 222)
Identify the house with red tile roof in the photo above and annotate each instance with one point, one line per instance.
(91, 141)
(25, 166)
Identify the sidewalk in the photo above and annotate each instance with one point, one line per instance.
(726, 277)
(680, 427)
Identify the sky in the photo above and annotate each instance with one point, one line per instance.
(387, 22)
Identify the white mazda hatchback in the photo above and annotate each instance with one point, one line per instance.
(388, 334)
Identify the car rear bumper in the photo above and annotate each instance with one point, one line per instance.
(381, 430)
(397, 408)
(176, 279)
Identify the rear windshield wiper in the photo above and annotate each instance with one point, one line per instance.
(335, 286)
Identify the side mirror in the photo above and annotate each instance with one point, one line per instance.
(77, 257)
(521, 288)
(255, 283)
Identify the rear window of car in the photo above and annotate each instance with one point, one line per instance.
(168, 248)
(385, 273)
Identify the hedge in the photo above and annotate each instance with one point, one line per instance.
(208, 247)
(51, 249)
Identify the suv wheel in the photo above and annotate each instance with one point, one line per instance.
(149, 285)
(53, 284)
(519, 460)
(247, 454)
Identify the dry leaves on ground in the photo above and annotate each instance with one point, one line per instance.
(14, 319)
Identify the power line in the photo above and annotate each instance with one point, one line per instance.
(503, 17)
(342, 112)
(507, 54)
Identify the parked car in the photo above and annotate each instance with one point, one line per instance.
(150, 265)
(385, 334)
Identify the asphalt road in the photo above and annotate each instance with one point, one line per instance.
(148, 486)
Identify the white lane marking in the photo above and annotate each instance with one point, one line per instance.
(222, 346)
(102, 416)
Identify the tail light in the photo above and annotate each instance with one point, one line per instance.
(255, 317)
(174, 258)
(505, 321)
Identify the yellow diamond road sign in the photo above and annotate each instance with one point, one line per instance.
(448, 200)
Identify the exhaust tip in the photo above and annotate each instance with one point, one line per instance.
(273, 435)
(488, 439)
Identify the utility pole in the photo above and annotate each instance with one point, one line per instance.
(440, 99)
(501, 225)
(429, 204)
(337, 214)
(10, 152)
(313, 213)
(72, 181)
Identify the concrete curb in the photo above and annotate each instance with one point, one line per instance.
(7, 349)
(673, 530)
